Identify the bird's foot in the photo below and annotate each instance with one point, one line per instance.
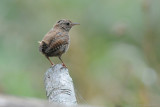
(64, 65)
(53, 65)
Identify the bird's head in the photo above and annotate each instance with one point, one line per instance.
(64, 24)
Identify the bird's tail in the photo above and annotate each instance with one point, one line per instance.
(39, 42)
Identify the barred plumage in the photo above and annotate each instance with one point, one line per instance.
(56, 41)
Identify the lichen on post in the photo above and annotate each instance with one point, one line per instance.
(59, 86)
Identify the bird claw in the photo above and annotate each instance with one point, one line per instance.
(53, 65)
(64, 65)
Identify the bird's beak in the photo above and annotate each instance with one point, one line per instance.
(75, 24)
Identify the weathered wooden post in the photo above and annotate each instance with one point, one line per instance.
(59, 86)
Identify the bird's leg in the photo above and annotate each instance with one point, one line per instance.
(49, 60)
(62, 62)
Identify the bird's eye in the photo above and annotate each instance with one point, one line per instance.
(67, 24)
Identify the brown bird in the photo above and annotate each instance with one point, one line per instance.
(56, 41)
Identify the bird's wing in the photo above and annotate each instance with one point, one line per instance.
(50, 36)
(57, 42)
(55, 46)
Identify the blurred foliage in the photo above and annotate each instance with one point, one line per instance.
(114, 56)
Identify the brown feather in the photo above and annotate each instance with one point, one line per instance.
(56, 41)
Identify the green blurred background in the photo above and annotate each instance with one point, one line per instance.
(114, 56)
